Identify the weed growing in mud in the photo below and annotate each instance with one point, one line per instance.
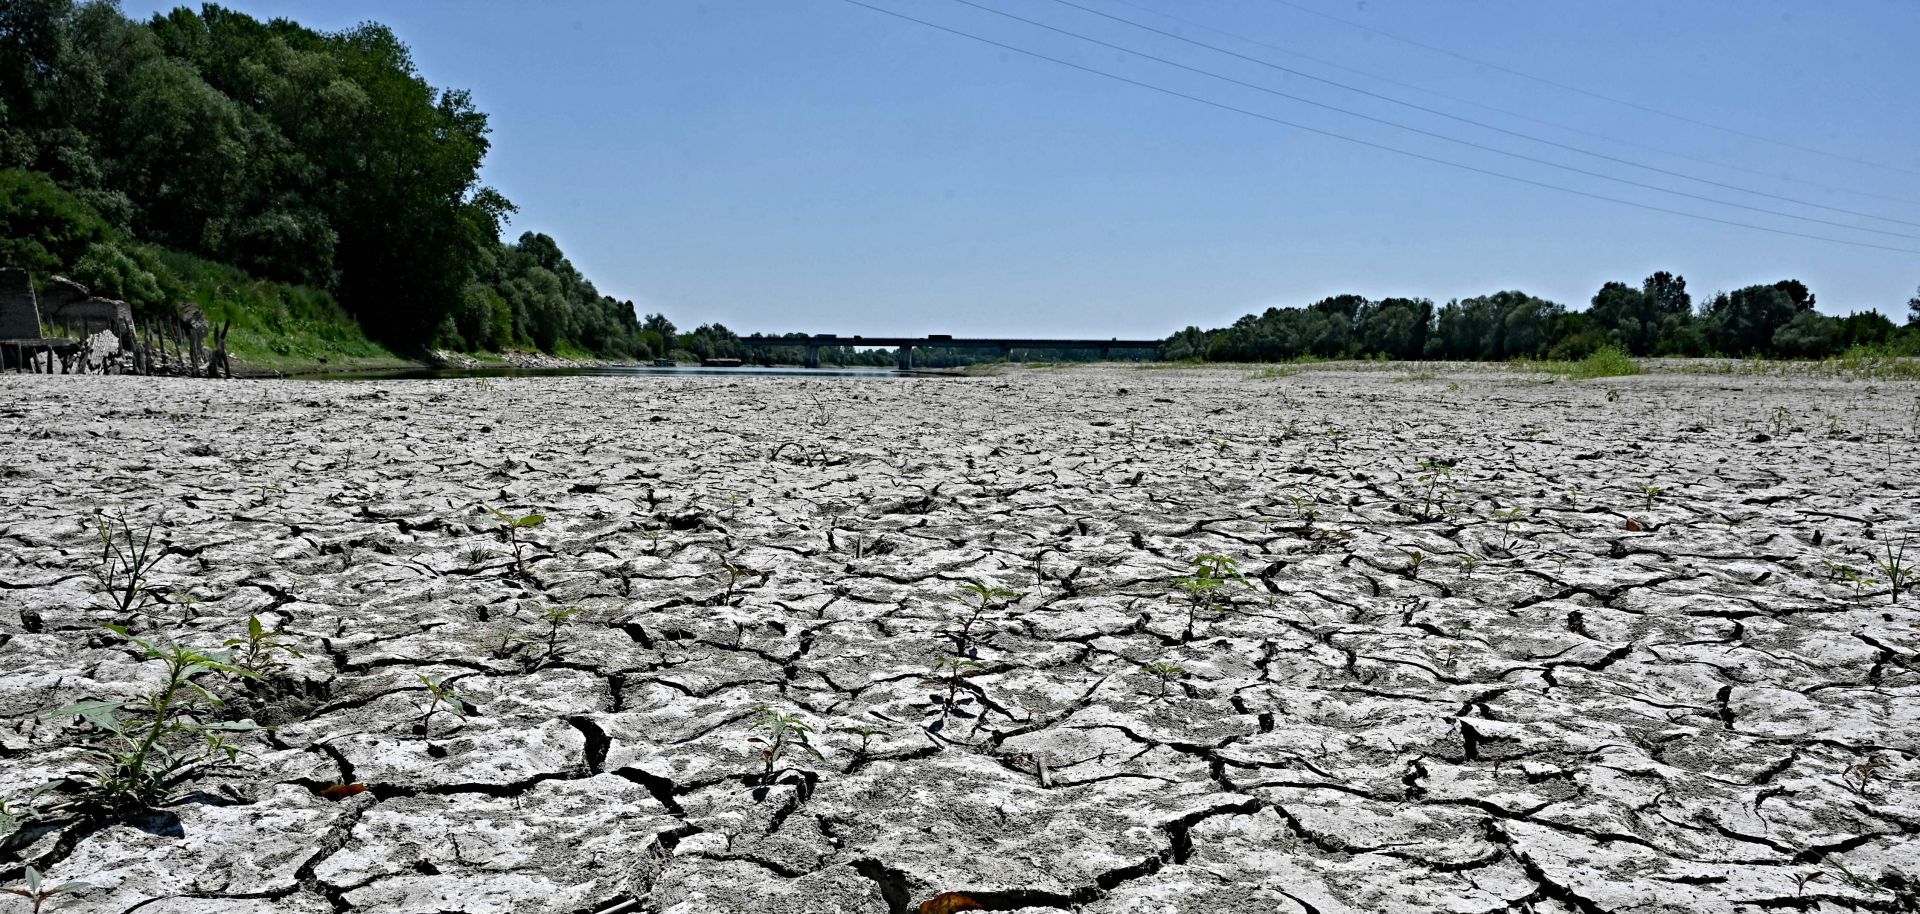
(956, 668)
(126, 563)
(1508, 518)
(781, 734)
(1415, 559)
(985, 599)
(1860, 777)
(1201, 590)
(512, 526)
(1166, 672)
(1837, 571)
(441, 699)
(548, 639)
(17, 808)
(259, 651)
(1895, 567)
(1651, 492)
(1436, 484)
(735, 573)
(152, 744)
(36, 889)
(866, 732)
(1468, 562)
(477, 556)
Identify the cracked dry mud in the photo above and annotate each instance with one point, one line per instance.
(1667, 717)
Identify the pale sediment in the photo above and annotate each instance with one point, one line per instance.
(1597, 654)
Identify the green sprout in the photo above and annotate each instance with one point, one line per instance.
(735, 573)
(38, 891)
(126, 563)
(984, 599)
(1201, 590)
(1468, 562)
(154, 743)
(1651, 492)
(1166, 672)
(442, 698)
(1435, 478)
(781, 734)
(1895, 567)
(555, 622)
(1415, 559)
(512, 526)
(258, 650)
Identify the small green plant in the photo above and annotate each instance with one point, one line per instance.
(1780, 420)
(1415, 559)
(126, 563)
(1202, 590)
(956, 668)
(38, 891)
(1166, 672)
(512, 526)
(1651, 492)
(736, 573)
(259, 651)
(1435, 479)
(866, 732)
(1509, 518)
(156, 742)
(1894, 565)
(977, 600)
(549, 638)
(477, 556)
(16, 808)
(1469, 562)
(441, 699)
(780, 735)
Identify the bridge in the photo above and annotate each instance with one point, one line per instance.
(906, 344)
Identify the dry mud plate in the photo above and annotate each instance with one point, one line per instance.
(1501, 644)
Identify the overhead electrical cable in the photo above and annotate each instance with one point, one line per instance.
(1483, 125)
(1223, 106)
(1536, 160)
(1590, 93)
(1457, 99)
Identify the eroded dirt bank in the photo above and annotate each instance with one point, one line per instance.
(1596, 654)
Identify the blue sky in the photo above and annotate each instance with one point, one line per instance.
(811, 165)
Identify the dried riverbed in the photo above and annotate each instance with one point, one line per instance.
(1597, 655)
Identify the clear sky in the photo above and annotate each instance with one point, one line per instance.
(812, 165)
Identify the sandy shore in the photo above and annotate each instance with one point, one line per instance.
(1527, 682)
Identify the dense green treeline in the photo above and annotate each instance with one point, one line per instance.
(313, 161)
(1657, 318)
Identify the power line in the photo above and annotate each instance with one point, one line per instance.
(1493, 127)
(1611, 138)
(1429, 133)
(1590, 93)
(1368, 143)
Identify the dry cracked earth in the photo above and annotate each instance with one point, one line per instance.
(1499, 644)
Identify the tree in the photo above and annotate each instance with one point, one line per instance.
(1668, 293)
(1744, 322)
(1913, 309)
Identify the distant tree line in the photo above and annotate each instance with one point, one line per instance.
(318, 160)
(1657, 318)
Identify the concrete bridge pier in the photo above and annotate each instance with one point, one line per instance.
(1006, 353)
(813, 356)
(906, 358)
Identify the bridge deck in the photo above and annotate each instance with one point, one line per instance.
(888, 342)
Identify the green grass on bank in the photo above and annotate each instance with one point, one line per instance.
(277, 326)
(1608, 362)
